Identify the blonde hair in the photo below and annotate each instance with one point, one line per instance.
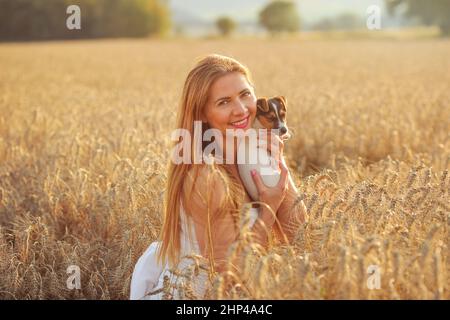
(194, 98)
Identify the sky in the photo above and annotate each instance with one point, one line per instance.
(247, 10)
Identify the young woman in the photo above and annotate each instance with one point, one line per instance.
(203, 201)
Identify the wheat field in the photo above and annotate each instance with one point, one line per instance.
(84, 141)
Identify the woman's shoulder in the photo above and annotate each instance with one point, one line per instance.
(204, 175)
(203, 186)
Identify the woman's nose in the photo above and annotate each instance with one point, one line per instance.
(240, 107)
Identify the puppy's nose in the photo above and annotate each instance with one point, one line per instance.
(283, 130)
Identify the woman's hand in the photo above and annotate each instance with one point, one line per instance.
(272, 196)
(273, 144)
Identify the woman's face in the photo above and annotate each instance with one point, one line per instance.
(231, 103)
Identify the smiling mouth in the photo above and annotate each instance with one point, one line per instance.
(241, 123)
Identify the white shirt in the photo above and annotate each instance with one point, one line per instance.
(148, 275)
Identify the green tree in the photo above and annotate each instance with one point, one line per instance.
(435, 12)
(225, 25)
(280, 16)
(41, 20)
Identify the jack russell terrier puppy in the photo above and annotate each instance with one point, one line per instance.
(270, 114)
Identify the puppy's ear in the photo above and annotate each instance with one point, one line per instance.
(262, 104)
(283, 102)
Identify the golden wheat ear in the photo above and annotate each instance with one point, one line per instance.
(262, 104)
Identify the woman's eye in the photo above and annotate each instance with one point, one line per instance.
(223, 102)
(247, 94)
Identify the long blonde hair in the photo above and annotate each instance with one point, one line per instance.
(194, 98)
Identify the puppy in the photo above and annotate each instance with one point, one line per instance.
(270, 114)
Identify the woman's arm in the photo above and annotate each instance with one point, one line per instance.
(272, 198)
(291, 214)
(202, 199)
(263, 226)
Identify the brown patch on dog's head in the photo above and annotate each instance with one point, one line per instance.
(267, 119)
(269, 108)
(271, 113)
(281, 100)
(262, 104)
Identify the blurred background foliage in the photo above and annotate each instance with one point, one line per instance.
(36, 20)
(46, 20)
(280, 16)
(434, 12)
(226, 25)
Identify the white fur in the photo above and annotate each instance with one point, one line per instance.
(270, 176)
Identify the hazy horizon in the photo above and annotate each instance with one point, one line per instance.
(310, 10)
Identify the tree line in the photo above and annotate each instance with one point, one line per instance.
(46, 20)
(282, 16)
